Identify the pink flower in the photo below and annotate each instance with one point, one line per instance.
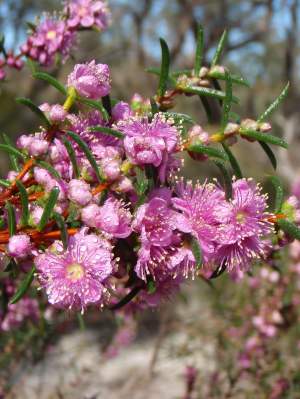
(149, 142)
(114, 218)
(19, 246)
(243, 226)
(198, 207)
(79, 192)
(51, 37)
(121, 111)
(90, 80)
(87, 13)
(75, 278)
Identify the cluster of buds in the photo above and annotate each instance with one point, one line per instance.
(54, 35)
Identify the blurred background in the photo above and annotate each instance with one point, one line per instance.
(263, 46)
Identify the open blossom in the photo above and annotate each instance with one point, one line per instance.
(75, 278)
(51, 37)
(156, 223)
(114, 218)
(87, 14)
(198, 207)
(243, 226)
(149, 142)
(90, 80)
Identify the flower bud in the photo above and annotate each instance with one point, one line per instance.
(265, 127)
(90, 80)
(19, 246)
(57, 113)
(121, 110)
(90, 214)
(79, 192)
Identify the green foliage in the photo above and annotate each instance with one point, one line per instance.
(84, 147)
(210, 151)
(264, 137)
(11, 216)
(24, 286)
(199, 50)
(164, 69)
(24, 203)
(51, 80)
(279, 194)
(50, 204)
(28, 103)
(275, 104)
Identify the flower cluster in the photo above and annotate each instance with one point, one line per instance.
(54, 35)
(125, 211)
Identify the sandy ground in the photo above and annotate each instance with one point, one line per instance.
(150, 368)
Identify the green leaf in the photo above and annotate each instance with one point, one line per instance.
(164, 68)
(51, 80)
(219, 271)
(219, 49)
(5, 183)
(210, 151)
(265, 137)
(87, 153)
(207, 108)
(274, 105)
(199, 50)
(151, 287)
(72, 156)
(108, 131)
(226, 178)
(197, 252)
(279, 194)
(205, 91)
(63, 229)
(234, 78)
(227, 102)
(35, 109)
(49, 168)
(24, 203)
(81, 321)
(233, 162)
(96, 105)
(289, 228)
(107, 104)
(32, 65)
(11, 216)
(13, 158)
(154, 107)
(23, 288)
(269, 153)
(12, 150)
(142, 182)
(50, 204)
(31, 26)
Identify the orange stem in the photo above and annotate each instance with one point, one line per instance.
(101, 187)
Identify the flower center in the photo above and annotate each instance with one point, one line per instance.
(51, 34)
(240, 217)
(82, 11)
(75, 271)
